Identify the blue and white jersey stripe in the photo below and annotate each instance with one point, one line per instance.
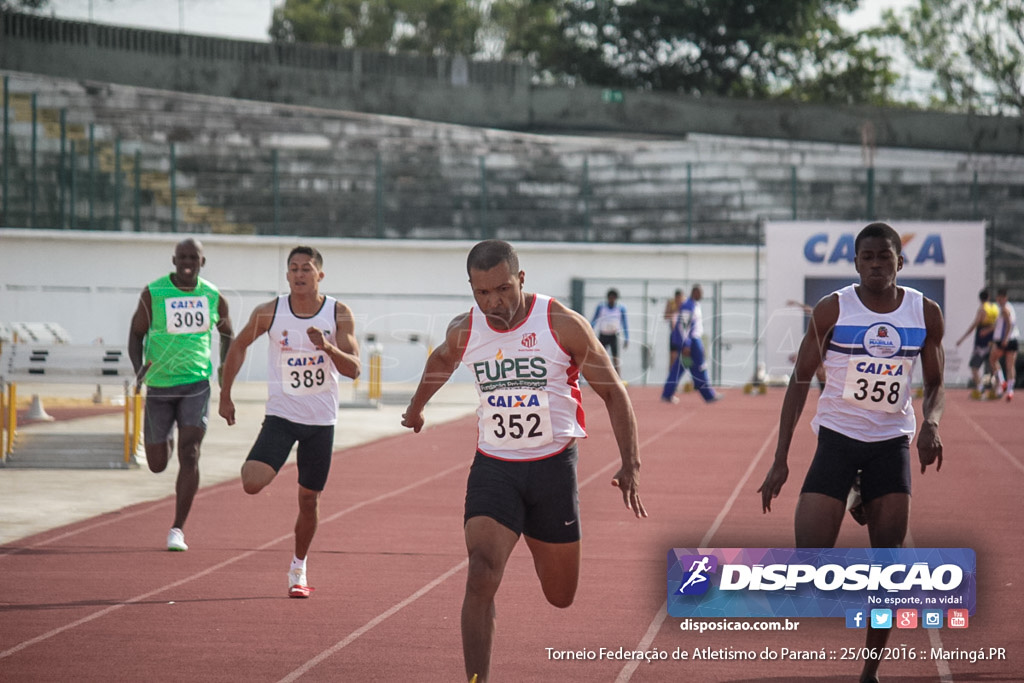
(862, 333)
(849, 339)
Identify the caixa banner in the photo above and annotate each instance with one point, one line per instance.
(817, 582)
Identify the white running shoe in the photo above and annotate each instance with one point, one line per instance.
(176, 540)
(297, 587)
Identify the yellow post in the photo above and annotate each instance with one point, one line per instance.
(3, 424)
(374, 391)
(12, 416)
(127, 425)
(137, 410)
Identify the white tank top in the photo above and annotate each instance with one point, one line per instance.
(869, 364)
(302, 382)
(1002, 322)
(531, 406)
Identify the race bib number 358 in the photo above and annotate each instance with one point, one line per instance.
(187, 314)
(878, 384)
(514, 419)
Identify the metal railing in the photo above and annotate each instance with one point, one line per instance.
(61, 171)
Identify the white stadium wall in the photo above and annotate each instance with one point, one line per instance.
(89, 283)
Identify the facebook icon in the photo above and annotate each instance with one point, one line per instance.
(855, 618)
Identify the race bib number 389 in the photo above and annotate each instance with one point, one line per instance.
(516, 418)
(304, 373)
(187, 314)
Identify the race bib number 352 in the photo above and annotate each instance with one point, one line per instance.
(516, 418)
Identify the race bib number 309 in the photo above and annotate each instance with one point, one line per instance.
(187, 314)
(516, 418)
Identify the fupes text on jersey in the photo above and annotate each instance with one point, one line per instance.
(510, 368)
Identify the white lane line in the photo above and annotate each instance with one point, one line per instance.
(280, 539)
(380, 618)
(941, 665)
(643, 444)
(115, 518)
(996, 446)
(934, 637)
(659, 618)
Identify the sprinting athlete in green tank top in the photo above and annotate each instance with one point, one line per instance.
(170, 347)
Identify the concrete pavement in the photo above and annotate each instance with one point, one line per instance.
(35, 500)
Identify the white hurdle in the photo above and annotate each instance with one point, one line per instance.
(67, 364)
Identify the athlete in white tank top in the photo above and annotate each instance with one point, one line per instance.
(302, 382)
(525, 352)
(530, 401)
(307, 352)
(868, 337)
(869, 364)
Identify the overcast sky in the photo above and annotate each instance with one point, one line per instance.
(250, 19)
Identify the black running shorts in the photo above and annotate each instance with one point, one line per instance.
(884, 466)
(316, 443)
(610, 342)
(538, 498)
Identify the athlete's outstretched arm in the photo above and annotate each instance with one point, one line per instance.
(259, 322)
(979, 318)
(809, 357)
(578, 339)
(226, 331)
(933, 360)
(438, 370)
(141, 320)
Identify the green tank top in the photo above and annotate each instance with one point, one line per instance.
(178, 341)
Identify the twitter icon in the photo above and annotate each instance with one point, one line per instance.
(881, 618)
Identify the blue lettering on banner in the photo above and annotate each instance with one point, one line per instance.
(931, 250)
(817, 249)
(811, 251)
(816, 582)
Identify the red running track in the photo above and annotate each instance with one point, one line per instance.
(100, 601)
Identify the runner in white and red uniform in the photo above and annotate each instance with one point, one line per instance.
(526, 353)
(530, 401)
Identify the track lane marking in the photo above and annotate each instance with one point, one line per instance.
(935, 638)
(1002, 450)
(659, 618)
(269, 544)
